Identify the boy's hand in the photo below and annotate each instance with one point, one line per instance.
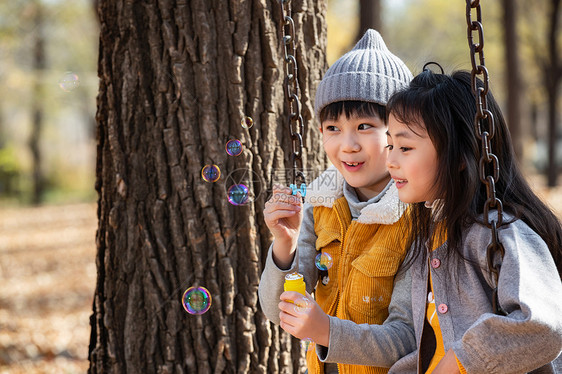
(448, 364)
(283, 216)
(303, 318)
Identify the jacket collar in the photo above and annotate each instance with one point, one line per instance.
(328, 187)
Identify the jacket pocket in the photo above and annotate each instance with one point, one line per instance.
(370, 285)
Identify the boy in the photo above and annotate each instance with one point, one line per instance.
(356, 223)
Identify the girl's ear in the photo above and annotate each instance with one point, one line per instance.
(321, 129)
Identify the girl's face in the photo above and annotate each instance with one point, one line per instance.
(412, 161)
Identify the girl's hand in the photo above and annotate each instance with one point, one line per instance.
(303, 318)
(448, 364)
(283, 217)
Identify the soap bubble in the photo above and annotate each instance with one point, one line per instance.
(303, 305)
(247, 122)
(211, 173)
(249, 186)
(307, 344)
(237, 194)
(69, 81)
(324, 261)
(234, 147)
(196, 300)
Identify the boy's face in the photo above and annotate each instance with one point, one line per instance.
(356, 146)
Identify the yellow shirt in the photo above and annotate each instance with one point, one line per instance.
(431, 315)
(431, 312)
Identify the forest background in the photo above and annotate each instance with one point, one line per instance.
(48, 88)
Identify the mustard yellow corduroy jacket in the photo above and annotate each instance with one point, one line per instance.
(366, 258)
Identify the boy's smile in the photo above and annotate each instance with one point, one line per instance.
(356, 147)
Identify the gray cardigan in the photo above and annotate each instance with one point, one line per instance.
(530, 290)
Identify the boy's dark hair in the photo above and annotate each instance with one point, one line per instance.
(333, 111)
(446, 106)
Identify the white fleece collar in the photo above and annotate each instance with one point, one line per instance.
(328, 187)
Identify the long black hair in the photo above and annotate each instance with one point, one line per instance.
(445, 105)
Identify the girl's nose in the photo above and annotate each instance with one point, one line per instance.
(391, 161)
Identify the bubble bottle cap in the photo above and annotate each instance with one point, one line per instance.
(295, 282)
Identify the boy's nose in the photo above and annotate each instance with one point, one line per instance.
(350, 144)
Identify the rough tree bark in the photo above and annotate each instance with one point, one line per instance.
(176, 78)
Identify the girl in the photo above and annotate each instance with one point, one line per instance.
(434, 159)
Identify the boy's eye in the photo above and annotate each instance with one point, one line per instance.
(331, 128)
(389, 146)
(364, 126)
(405, 149)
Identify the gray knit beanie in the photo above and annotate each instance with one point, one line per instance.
(369, 72)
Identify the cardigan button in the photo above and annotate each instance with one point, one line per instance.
(435, 263)
(442, 308)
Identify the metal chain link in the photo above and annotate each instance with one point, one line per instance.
(294, 119)
(485, 130)
(291, 86)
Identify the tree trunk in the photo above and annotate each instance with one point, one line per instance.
(176, 79)
(369, 16)
(513, 81)
(36, 105)
(552, 80)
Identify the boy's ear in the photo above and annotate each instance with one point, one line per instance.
(321, 129)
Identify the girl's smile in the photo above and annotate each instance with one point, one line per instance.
(399, 182)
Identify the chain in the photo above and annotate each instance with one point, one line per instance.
(291, 86)
(485, 134)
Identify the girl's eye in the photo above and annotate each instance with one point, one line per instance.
(364, 126)
(405, 149)
(389, 146)
(331, 128)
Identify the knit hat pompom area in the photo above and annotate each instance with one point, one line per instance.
(369, 72)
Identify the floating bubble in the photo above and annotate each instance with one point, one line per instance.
(211, 173)
(196, 300)
(237, 194)
(69, 81)
(303, 305)
(307, 344)
(247, 122)
(324, 261)
(250, 184)
(234, 147)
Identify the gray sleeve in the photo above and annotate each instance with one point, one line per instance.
(307, 249)
(273, 278)
(530, 291)
(375, 345)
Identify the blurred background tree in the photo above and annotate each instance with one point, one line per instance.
(48, 56)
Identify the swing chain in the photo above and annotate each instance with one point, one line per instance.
(291, 88)
(485, 134)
